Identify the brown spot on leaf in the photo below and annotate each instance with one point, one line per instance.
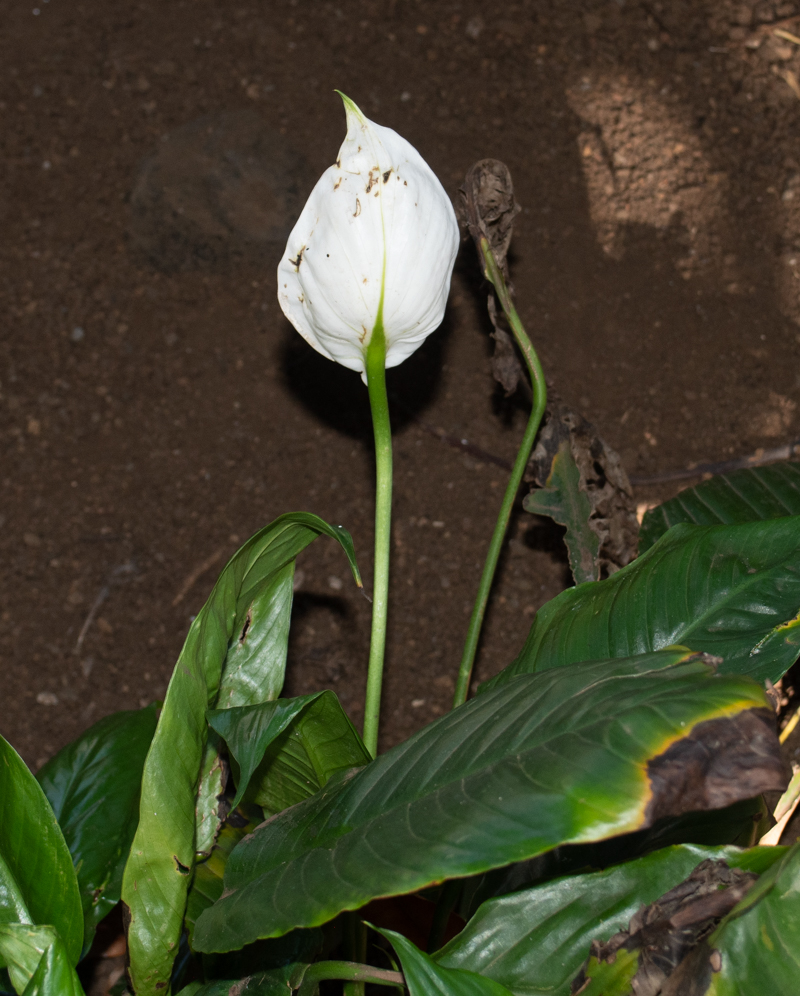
(296, 262)
(245, 629)
(386, 175)
(719, 762)
(357, 211)
(336, 185)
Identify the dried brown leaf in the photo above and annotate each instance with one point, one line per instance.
(602, 477)
(489, 209)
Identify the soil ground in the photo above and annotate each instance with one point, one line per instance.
(156, 408)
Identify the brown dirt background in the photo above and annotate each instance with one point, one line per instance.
(656, 153)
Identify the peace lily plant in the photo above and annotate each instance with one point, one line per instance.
(364, 280)
(260, 845)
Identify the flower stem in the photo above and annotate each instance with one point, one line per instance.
(379, 403)
(493, 274)
(348, 971)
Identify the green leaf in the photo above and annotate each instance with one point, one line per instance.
(249, 730)
(159, 870)
(207, 884)
(256, 660)
(38, 962)
(732, 591)
(253, 672)
(749, 495)
(93, 785)
(572, 755)
(759, 940)
(424, 977)
(320, 743)
(37, 880)
(209, 811)
(611, 979)
(535, 941)
(294, 746)
(566, 503)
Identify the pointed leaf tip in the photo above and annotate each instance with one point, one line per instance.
(352, 108)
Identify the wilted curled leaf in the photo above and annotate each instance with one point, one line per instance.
(490, 207)
(489, 210)
(665, 933)
(602, 479)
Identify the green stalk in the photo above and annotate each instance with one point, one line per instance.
(445, 905)
(348, 971)
(379, 403)
(492, 273)
(355, 947)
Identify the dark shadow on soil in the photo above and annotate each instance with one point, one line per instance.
(338, 397)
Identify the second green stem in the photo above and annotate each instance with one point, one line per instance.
(492, 272)
(379, 403)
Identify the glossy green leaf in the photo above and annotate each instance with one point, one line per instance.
(553, 758)
(320, 743)
(535, 941)
(249, 730)
(256, 660)
(749, 495)
(253, 672)
(294, 746)
(37, 959)
(425, 977)
(759, 941)
(732, 591)
(159, 870)
(37, 879)
(566, 503)
(93, 785)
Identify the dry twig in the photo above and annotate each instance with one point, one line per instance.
(195, 575)
(102, 595)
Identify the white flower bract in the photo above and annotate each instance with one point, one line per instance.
(377, 238)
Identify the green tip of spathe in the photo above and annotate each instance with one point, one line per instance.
(351, 107)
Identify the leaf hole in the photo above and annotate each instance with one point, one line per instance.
(182, 869)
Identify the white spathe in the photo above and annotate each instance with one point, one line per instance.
(378, 225)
